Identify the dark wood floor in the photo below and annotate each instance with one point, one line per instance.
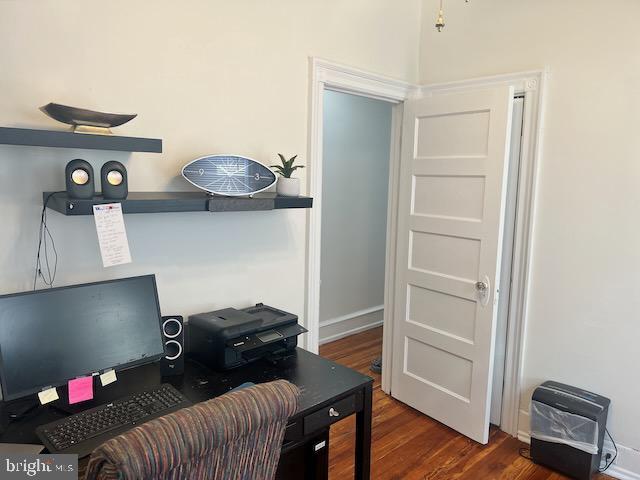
(409, 445)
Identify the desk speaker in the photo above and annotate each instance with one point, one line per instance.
(79, 179)
(115, 185)
(173, 335)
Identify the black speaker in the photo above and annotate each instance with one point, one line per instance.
(113, 177)
(79, 179)
(173, 336)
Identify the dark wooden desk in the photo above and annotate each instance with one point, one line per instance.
(326, 387)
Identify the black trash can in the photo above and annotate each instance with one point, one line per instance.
(567, 429)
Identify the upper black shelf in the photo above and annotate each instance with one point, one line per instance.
(62, 139)
(163, 202)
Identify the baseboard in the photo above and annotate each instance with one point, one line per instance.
(524, 437)
(626, 466)
(618, 472)
(350, 324)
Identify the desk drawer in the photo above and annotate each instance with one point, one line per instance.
(293, 432)
(330, 414)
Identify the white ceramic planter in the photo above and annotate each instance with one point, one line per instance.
(289, 187)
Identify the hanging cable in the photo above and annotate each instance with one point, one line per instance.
(45, 271)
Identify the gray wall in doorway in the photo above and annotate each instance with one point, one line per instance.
(356, 147)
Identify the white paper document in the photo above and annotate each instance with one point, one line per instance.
(112, 236)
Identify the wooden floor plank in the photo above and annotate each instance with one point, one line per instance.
(409, 445)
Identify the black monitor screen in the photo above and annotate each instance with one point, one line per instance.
(48, 337)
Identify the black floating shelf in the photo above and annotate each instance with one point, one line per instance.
(163, 202)
(57, 138)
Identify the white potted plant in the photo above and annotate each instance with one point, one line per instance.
(287, 186)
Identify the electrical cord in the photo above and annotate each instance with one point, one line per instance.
(615, 455)
(525, 453)
(45, 271)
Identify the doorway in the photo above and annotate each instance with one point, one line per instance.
(356, 147)
(329, 76)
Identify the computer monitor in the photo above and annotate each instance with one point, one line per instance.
(48, 337)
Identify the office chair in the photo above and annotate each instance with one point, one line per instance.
(235, 436)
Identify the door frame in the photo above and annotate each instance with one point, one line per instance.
(327, 75)
(531, 84)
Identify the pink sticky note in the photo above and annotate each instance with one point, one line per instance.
(80, 389)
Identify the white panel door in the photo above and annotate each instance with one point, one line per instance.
(452, 193)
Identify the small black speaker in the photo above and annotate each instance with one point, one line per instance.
(173, 335)
(113, 177)
(79, 179)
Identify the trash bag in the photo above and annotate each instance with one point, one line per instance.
(553, 425)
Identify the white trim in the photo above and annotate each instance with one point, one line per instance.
(531, 84)
(524, 437)
(627, 463)
(616, 471)
(523, 422)
(328, 75)
(349, 316)
(392, 235)
(520, 81)
(346, 79)
(523, 248)
(353, 331)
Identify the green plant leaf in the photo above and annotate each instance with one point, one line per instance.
(287, 167)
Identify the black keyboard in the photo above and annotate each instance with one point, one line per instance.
(83, 432)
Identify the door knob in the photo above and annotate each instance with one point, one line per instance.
(333, 412)
(483, 287)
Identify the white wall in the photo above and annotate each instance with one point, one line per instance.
(356, 149)
(207, 76)
(583, 325)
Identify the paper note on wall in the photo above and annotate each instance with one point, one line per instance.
(80, 389)
(112, 236)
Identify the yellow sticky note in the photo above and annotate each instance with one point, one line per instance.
(108, 377)
(48, 395)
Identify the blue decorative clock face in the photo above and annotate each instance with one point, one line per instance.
(229, 175)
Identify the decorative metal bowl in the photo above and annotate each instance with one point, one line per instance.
(86, 121)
